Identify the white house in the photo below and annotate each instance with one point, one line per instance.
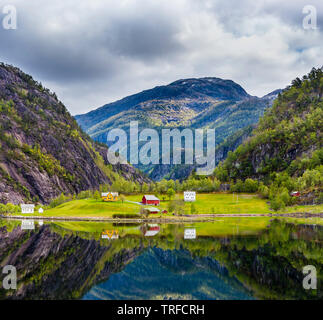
(190, 234)
(189, 195)
(40, 210)
(27, 208)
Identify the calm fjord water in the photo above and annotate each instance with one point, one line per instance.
(230, 258)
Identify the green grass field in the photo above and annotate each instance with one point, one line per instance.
(309, 209)
(220, 203)
(92, 208)
(216, 203)
(205, 204)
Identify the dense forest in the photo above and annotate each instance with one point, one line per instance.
(284, 152)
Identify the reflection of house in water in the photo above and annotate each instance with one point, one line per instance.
(150, 230)
(190, 233)
(27, 225)
(110, 234)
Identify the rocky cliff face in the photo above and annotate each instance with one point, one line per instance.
(43, 150)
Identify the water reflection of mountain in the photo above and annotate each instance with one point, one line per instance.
(53, 263)
(170, 274)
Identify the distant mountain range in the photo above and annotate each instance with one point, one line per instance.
(43, 150)
(202, 103)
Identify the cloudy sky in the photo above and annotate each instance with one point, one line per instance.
(91, 52)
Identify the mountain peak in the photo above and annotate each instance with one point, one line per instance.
(205, 87)
(198, 90)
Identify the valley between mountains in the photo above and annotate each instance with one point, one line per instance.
(265, 149)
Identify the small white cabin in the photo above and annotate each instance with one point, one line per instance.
(190, 234)
(27, 208)
(40, 210)
(189, 196)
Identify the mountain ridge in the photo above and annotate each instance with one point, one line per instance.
(172, 90)
(203, 103)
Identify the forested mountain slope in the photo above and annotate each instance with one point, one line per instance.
(202, 103)
(286, 147)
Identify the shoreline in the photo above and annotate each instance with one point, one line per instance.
(184, 218)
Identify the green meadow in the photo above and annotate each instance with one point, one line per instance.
(92, 208)
(205, 204)
(211, 203)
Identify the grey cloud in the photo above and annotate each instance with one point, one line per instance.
(93, 52)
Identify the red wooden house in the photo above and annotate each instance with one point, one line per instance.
(149, 199)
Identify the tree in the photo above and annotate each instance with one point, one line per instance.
(277, 203)
(216, 184)
(171, 184)
(96, 195)
(171, 206)
(193, 208)
(179, 207)
(284, 196)
(250, 186)
(263, 190)
(144, 188)
(178, 186)
(221, 173)
(237, 187)
(122, 198)
(170, 193)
